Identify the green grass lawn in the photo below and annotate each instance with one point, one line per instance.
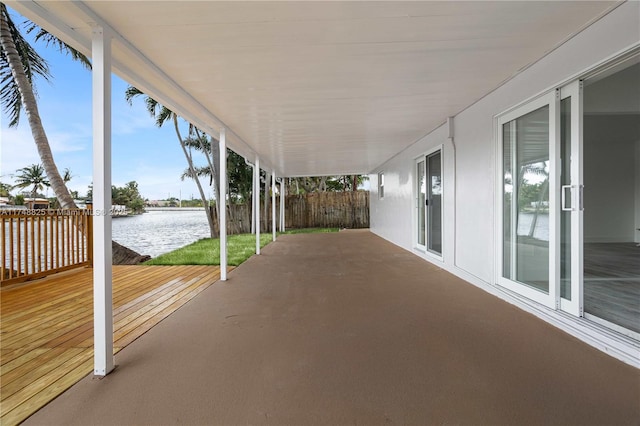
(207, 251)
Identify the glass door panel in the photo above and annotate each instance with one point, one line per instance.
(611, 217)
(528, 198)
(566, 194)
(434, 204)
(570, 211)
(421, 187)
(526, 231)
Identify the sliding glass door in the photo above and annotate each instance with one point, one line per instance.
(429, 203)
(421, 216)
(569, 198)
(527, 151)
(610, 164)
(434, 203)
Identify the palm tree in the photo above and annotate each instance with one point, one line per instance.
(210, 148)
(19, 63)
(32, 176)
(4, 190)
(161, 115)
(240, 175)
(539, 170)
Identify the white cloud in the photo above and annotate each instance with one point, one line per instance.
(17, 148)
(128, 120)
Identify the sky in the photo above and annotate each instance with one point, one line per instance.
(141, 151)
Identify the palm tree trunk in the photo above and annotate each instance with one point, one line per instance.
(214, 161)
(31, 108)
(543, 194)
(215, 165)
(195, 177)
(265, 215)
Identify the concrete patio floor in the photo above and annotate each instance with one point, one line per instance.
(347, 328)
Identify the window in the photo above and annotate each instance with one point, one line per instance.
(381, 185)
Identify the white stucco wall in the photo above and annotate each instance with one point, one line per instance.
(473, 251)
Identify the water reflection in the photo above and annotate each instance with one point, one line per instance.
(158, 232)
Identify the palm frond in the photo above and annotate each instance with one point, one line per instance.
(51, 40)
(33, 64)
(130, 93)
(159, 112)
(199, 171)
(9, 93)
(164, 115)
(202, 144)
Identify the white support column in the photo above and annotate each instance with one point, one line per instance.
(282, 201)
(273, 204)
(102, 272)
(257, 204)
(222, 200)
(253, 199)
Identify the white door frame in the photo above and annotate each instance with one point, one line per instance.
(424, 247)
(416, 228)
(550, 299)
(575, 306)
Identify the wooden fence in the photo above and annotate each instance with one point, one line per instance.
(38, 242)
(328, 210)
(316, 210)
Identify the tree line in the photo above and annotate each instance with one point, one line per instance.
(33, 181)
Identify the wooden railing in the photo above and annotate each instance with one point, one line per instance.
(36, 243)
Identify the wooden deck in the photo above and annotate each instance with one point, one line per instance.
(47, 326)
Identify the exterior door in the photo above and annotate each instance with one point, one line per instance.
(421, 215)
(434, 202)
(429, 203)
(528, 200)
(574, 147)
(541, 200)
(571, 204)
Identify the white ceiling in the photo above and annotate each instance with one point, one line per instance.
(318, 88)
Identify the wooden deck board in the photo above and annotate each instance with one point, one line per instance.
(47, 326)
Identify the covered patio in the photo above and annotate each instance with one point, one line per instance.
(347, 328)
(350, 328)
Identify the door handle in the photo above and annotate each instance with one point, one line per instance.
(563, 196)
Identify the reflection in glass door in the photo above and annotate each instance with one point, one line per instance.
(526, 199)
(527, 139)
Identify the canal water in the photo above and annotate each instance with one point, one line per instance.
(158, 232)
